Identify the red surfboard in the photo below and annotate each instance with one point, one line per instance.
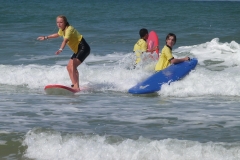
(153, 41)
(59, 89)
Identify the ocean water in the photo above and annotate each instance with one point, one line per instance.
(197, 118)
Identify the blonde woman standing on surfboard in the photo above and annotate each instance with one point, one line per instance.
(76, 43)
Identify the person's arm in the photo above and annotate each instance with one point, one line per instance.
(41, 38)
(62, 46)
(175, 61)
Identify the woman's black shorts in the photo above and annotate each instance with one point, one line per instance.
(83, 51)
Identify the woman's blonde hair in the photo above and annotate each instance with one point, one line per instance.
(64, 19)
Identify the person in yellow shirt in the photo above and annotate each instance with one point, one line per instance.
(76, 43)
(141, 45)
(166, 58)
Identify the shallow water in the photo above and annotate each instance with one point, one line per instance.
(195, 118)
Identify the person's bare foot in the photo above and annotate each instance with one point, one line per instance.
(75, 87)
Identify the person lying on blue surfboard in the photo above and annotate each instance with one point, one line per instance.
(166, 58)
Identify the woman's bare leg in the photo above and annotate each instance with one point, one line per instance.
(73, 72)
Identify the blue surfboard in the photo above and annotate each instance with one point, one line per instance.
(170, 74)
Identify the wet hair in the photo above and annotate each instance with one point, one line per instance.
(143, 32)
(64, 19)
(171, 35)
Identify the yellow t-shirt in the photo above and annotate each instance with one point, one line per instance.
(139, 48)
(73, 36)
(164, 59)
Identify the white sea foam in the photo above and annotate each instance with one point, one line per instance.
(53, 145)
(215, 74)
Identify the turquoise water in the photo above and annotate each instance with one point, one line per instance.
(195, 118)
